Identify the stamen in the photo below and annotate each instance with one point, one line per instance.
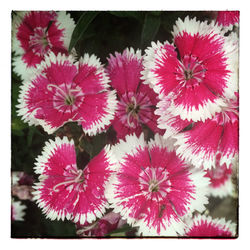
(128, 119)
(76, 180)
(49, 87)
(153, 187)
(164, 178)
(133, 109)
(135, 102)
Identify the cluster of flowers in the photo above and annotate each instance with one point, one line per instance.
(185, 92)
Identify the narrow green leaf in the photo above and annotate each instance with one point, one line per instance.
(150, 28)
(81, 26)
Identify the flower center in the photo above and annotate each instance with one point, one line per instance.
(153, 186)
(155, 182)
(190, 71)
(66, 97)
(134, 108)
(38, 42)
(188, 74)
(72, 175)
(70, 99)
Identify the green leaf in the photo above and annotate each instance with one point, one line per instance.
(150, 28)
(81, 26)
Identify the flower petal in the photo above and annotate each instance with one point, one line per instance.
(124, 70)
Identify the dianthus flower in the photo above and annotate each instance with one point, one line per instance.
(220, 176)
(17, 210)
(35, 34)
(219, 135)
(203, 226)
(195, 72)
(66, 191)
(64, 90)
(228, 19)
(153, 188)
(136, 101)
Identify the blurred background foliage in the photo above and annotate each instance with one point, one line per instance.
(99, 33)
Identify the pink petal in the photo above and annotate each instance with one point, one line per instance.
(194, 104)
(89, 80)
(122, 130)
(60, 72)
(124, 70)
(31, 59)
(227, 18)
(200, 144)
(97, 111)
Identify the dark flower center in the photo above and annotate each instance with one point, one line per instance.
(133, 109)
(153, 186)
(188, 74)
(70, 99)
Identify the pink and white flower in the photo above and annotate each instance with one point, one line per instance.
(66, 191)
(205, 226)
(228, 19)
(153, 188)
(220, 176)
(64, 90)
(195, 72)
(17, 210)
(136, 101)
(219, 135)
(35, 34)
